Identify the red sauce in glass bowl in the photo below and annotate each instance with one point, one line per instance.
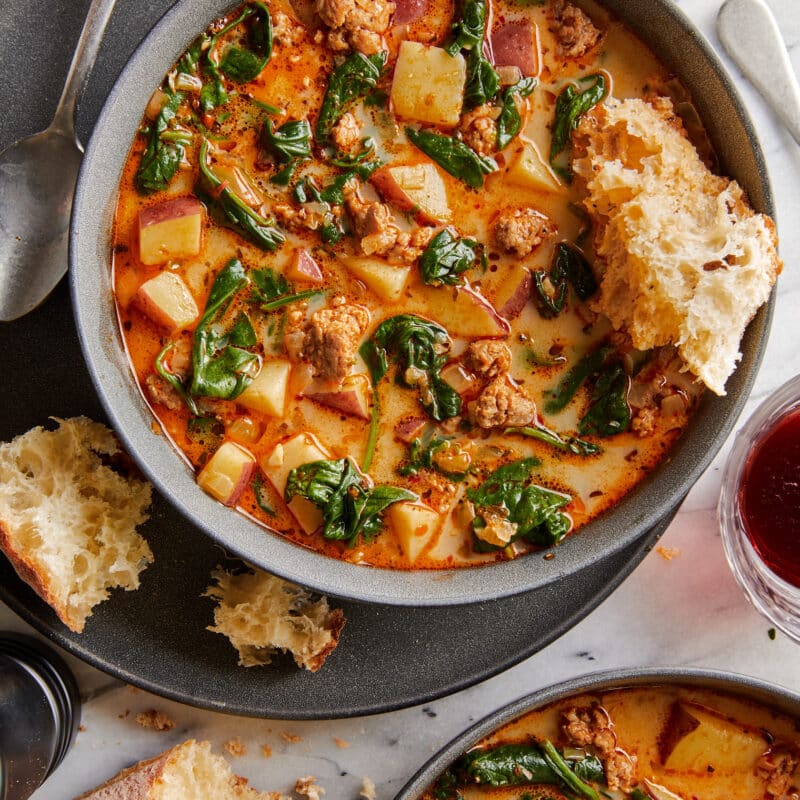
(769, 498)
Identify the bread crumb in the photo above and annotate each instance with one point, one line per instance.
(82, 728)
(236, 747)
(341, 743)
(309, 788)
(367, 789)
(157, 720)
(125, 714)
(668, 553)
(266, 751)
(292, 738)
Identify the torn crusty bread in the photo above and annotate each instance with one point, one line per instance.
(188, 771)
(262, 614)
(683, 258)
(68, 520)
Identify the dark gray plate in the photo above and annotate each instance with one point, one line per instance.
(760, 692)
(155, 638)
(659, 22)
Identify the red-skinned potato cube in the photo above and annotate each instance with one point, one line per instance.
(167, 301)
(227, 473)
(304, 268)
(463, 312)
(170, 230)
(351, 397)
(417, 188)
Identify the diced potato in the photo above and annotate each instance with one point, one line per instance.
(385, 280)
(463, 312)
(239, 184)
(352, 396)
(167, 301)
(267, 391)
(418, 188)
(227, 473)
(170, 230)
(530, 171)
(461, 380)
(428, 84)
(415, 525)
(303, 267)
(286, 456)
(695, 738)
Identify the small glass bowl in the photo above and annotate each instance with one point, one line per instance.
(775, 598)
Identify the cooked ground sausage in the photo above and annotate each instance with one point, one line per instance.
(487, 358)
(522, 230)
(346, 134)
(502, 404)
(574, 30)
(332, 339)
(356, 24)
(479, 129)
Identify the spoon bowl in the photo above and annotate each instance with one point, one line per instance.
(37, 181)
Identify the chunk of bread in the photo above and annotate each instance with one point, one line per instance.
(68, 520)
(188, 771)
(262, 614)
(684, 260)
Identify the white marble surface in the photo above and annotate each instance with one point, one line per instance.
(687, 611)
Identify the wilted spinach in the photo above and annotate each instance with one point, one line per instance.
(272, 292)
(569, 266)
(571, 105)
(567, 444)
(233, 210)
(569, 777)
(534, 509)
(608, 412)
(446, 257)
(509, 122)
(244, 64)
(591, 363)
(419, 349)
(350, 81)
(421, 455)
(289, 145)
(173, 380)
(165, 149)
(482, 79)
(469, 30)
(453, 156)
(350, 508)
(221, 364)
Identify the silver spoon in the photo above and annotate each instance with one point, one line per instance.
(37, 181)
(750, 34)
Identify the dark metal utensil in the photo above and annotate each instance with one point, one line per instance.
(39, 714)
(37, 181)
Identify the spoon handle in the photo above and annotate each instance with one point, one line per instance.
(85, 53)
(750, 34)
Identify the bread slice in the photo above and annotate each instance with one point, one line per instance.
(188, 771)
(684, 260)
(262, 614)
(68, 520)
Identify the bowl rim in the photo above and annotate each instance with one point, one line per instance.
(162, 463)
(773, 694)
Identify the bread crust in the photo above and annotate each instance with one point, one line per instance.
(135, 782)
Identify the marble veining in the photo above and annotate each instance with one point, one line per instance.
(683, 611)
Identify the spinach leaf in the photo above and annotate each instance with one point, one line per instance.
(591, 363)
(506, 765)
(446, 787)
(557, 763)
(272, 293)
(608, 412)
(190, 60)
(419, 348)
(421, 453)
(289, 142)
(589, 769)
(221, 366)
(350, 81)
(446, 257)
(349, 508)
(348, 162)
(163, 153)
(469, 30)
(213, 93)
(509, 121)
(638, 794)
(568, 444)
(571, 105)
(334, 192)
(535, 510)
(233, 210)
(258, 492)
(569, 266)
(482, 79)
(453, 156)
(244, 64)
(173, 380)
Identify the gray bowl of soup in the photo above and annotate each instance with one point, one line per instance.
(646, 734)
(274, 307)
